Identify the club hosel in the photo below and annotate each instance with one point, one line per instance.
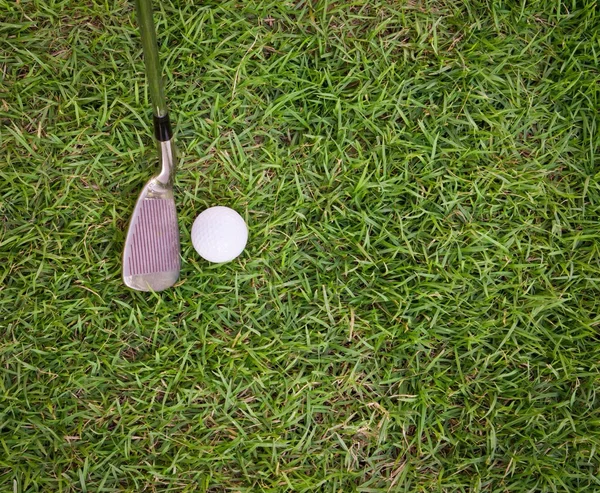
(168, 161)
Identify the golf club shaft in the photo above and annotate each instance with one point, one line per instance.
(162, 127)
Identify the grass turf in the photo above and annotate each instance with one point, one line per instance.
(417, 309)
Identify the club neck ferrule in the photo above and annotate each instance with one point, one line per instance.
(162, 128)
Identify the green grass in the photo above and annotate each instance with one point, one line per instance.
(418, 306)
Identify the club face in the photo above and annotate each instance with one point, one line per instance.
(151, 256)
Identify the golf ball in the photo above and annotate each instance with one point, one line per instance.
(219, 234)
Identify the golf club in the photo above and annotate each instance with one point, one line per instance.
(151, 255)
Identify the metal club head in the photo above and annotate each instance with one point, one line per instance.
(151, 259)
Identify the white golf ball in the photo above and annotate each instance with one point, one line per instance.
(219, 234)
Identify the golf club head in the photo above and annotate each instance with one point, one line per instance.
(151, 259)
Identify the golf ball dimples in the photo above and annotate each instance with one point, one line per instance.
(219, 234)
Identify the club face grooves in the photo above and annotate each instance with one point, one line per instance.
(151, 259)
